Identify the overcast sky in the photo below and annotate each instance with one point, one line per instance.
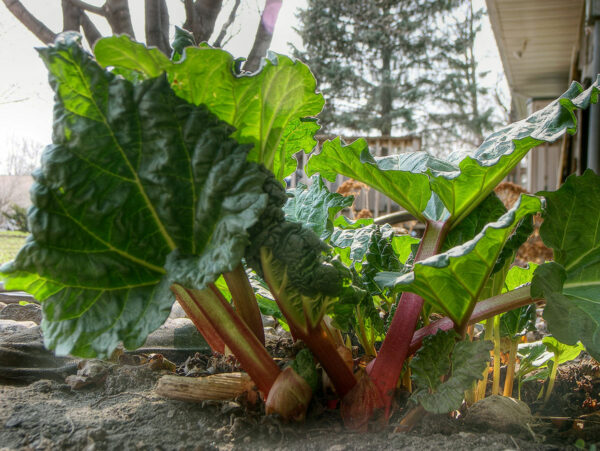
(26, 99)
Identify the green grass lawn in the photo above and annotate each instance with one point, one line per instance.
(10, 243)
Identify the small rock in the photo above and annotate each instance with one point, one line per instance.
(170, 414)
(43, 443)
(27, 312)
(42, 386)
(269, 321)
(176, 323)
(13, 422)
(499, 413)
(177, 311)
(97, 434)
(89, 372)
(230, 407)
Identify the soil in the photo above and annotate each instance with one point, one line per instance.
(122, 411)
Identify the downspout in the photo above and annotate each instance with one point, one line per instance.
(593, 158)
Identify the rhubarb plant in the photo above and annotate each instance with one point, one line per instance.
(143, 195)
(165, 180)
(445, 194)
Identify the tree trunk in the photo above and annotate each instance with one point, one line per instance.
(41, 31)
(201, 16)
(70, 16)
(386, 93)
(264, 34)
(157, 25)
(119, 17)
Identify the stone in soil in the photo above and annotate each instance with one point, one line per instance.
(499, 413)
(9, 326)
(27, 312)
(23, 357)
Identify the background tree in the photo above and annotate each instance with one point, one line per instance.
(20, 161)
(371, 59)
(24, 156)
(200, 19)
(463, 110)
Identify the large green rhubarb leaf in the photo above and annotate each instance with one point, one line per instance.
(270, 109)
(136, 177)
(482, 169)
(571, 284)
(465, 179)
(452, 281)
(402, 177)
(315, 207)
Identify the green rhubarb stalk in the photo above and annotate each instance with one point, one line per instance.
(482, 384)
(234, 332)
(552, 378)
(366, 342)
(244, 300)
(496, 339)
(510, 372)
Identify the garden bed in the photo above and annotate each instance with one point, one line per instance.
(124, 412)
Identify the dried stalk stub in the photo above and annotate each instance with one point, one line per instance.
(217, 387)
(289, 397)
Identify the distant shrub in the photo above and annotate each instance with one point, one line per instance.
(17, 218)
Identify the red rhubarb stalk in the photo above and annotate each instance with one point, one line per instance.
(315, 336)
(234, 332)
(330, 359)
(201, 322)
(395, 348)
(244, 300)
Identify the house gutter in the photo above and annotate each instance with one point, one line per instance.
(593, 158)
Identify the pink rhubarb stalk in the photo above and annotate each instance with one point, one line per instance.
(315, 336)
(201, 322)
(244, 300)
(330, 359)
(386, 370)
(234, 332)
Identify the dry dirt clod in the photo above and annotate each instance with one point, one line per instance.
(89, 372)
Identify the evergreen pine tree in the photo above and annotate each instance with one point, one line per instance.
(371, 59)
(463, 110)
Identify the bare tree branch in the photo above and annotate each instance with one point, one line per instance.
(157, 25)
(91, 8)
(226, 25)
(90, 31)
(119, 17)
(41, 31)
(70, 16)
(264, 34)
